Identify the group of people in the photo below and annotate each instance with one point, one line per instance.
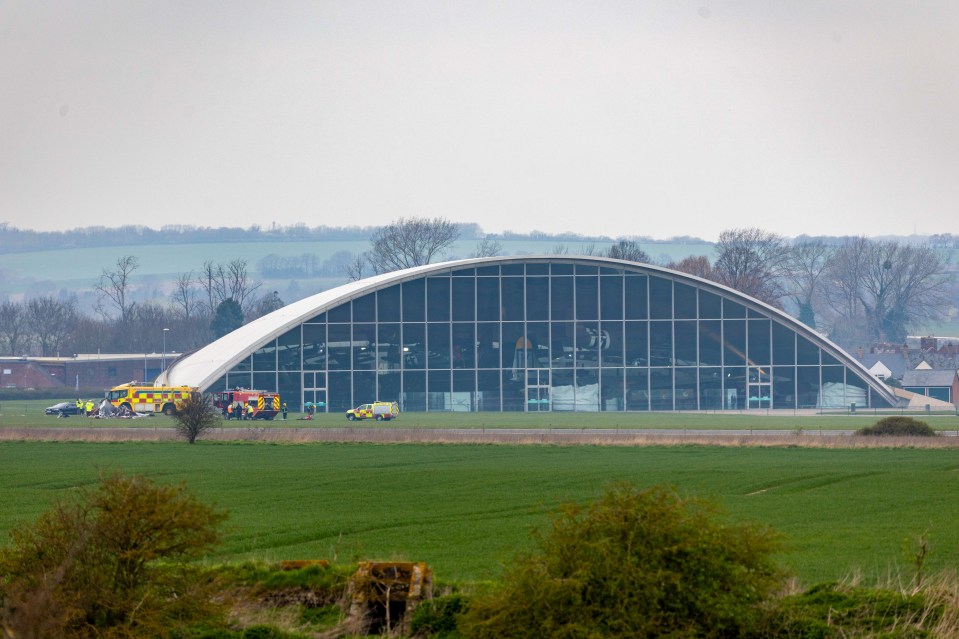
(87, 408)
(237, 411)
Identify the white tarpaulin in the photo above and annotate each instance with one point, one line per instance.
(839, 395)
(576, 398)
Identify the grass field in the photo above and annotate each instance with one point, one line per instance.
(29, 413)
(467, 509)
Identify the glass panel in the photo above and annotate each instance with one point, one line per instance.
(464, 272)
(563, 390)
(389, 346)
(636, 301)
(660, 343)
(537, 298)
(807, 352)
(710, 305)
(488, 341)
(734, 388)
(487, 270)
(464, 300)
(828, 360)
(438, 345)
(784, 345)
(487, 296)
(243, 365)
(734, 342)
(685, 334)
(807, 386)
(340, 393)
(339, 346)
(288, 351)
(686, 386)
(637, 353)
(464, 346)
(784, 387)
(414, 345)
(587, 390)
(438, 382)
(537, 268)
(364, 387)
(288, 385)
(611, 344)
(587, 297)
(586, 269)
(562, 344)
(562, 269)
(637, 389)
(414, 301)
(340, 314)
(317, 319)
(537, 333)
(733, 309)
(611, 383)
(711, 388)
(611, 298)
(438, 299)
(858, 390)
(388, 387)
(388, 304)
(488, 387)
(513, 299)
(514, 347)
(512, 269)
(587, 343)
(314, 347)
(364, 308)
(833, 391)
(685, 301)
(661, 388)
(660, 298)
(241, 380)
(364, 346)
(561, 298)
(514, 392)
(759, 347)
(710, 343)
(264, 381)
(264, 358)
(414, 391)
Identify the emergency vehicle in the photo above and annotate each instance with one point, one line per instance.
(265, 404)
(384, 411)
(141, 398)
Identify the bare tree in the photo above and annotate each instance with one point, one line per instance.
(230, 281)
(805, 265)
(560, 249)
(487, 247)
(52, 322)
(14, 328)
(409, 242)
(751, 261)
(697, 265)
(212, 280)
(887, 287)
(184, 297)
(196, 415)
(114, 285)
(238, 283)
(627, 250)
(356, 267)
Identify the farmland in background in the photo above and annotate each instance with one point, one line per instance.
(467, 509)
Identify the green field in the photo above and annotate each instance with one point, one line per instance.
(467, 509)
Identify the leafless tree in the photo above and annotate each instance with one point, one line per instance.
(196, 415)
(184, 297)
(355, 268)
(487, 247)
(114, 285)
(227, 281)
(409, 242)
(267, 304)
(238, 283)
(212, 280)
(560, 249)
(52, 322)
(887, 287)
(628, 250)
(805, 265)
(751, 261)
(14, 328)
(697, 265)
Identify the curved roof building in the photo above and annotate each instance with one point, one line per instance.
(545, 333)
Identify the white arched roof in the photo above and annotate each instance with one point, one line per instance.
(205, 366)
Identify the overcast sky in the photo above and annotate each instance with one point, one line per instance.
(618, 118)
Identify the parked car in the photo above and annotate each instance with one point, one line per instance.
(63, 408)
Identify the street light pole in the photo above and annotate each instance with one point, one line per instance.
(164, 349)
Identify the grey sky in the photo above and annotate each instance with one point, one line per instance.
(617, 118)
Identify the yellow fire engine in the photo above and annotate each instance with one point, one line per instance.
(148, 399)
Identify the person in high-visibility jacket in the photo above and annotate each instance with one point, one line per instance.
(89, 407)
(79, 406)
(249, 411)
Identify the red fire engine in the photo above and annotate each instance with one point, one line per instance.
(264, 404)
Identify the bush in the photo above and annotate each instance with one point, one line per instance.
(438, 617)
(633, 564)
(898, 426)
(107, 564)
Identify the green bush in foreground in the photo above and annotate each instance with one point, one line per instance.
(898, 426)
(634, 563)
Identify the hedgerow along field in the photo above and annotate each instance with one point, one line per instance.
(467, 509)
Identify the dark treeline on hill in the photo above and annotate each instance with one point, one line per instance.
(16, 240)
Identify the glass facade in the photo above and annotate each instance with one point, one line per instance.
(551, 335)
